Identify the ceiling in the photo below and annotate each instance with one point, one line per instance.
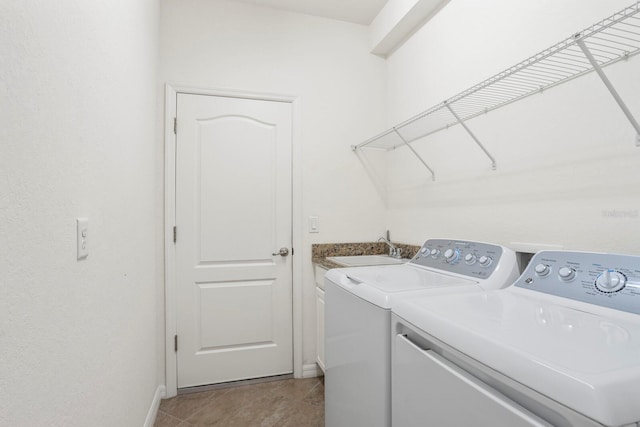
(356, 11)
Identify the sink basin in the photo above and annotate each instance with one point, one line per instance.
(362, 260)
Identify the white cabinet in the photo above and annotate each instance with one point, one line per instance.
(319, 278)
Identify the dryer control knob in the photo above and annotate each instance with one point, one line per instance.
(542, 270)
(434, 253)
(451, 255)
(566, 274)
(470, 259)
(485, 261)
(611, 281)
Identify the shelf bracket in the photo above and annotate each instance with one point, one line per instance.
(464, 125)
(607, 83)
(433, 175)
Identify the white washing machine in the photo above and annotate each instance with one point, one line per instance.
(358, 304)
(561, 347)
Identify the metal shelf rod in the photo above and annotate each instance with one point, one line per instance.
(433, 175)
(464, 125)
(610, 87)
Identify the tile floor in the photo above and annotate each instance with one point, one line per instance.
(284, 403)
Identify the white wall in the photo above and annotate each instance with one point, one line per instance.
(78, 338)
(566, 158)
(229, 45)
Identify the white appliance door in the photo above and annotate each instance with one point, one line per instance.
(385, 286)
(428, 390)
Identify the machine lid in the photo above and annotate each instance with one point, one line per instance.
(586, 360)
(385, 285)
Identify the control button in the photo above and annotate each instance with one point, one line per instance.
(542, 270)
(611, 281)
(423, 250)
(485, 261)
(470, 259)
(451, 255)
(434, 253)
(566, 274)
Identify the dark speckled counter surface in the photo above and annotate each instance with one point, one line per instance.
(320, 251)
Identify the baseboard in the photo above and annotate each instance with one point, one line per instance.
(161, 391)
(311, 370)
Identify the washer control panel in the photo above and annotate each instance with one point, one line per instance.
(473, 259)
(607, 280)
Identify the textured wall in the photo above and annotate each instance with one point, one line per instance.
(77, 96)
(567, 164)
(230, 45)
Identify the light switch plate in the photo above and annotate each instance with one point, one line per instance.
(314, 224)
(82, 233)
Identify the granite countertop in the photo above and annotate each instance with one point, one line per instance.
(320, 251)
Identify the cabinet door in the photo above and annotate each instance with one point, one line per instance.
(320, 328)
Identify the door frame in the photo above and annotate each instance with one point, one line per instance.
(171, 98)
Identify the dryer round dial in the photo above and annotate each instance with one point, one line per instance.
(542, 269)
(434, 253)
(485, 261)
(470, 259)
(611, 281)
(451, 255)
(566, 274)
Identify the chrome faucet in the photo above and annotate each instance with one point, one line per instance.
(393, 251)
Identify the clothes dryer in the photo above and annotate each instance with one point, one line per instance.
(561, 347)
(358, 303)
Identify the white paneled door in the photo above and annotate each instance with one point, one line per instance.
(233, 260)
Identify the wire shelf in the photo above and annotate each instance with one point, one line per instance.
(609, 41)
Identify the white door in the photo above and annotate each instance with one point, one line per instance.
(233, 215)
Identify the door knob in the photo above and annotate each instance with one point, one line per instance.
(282, 252)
